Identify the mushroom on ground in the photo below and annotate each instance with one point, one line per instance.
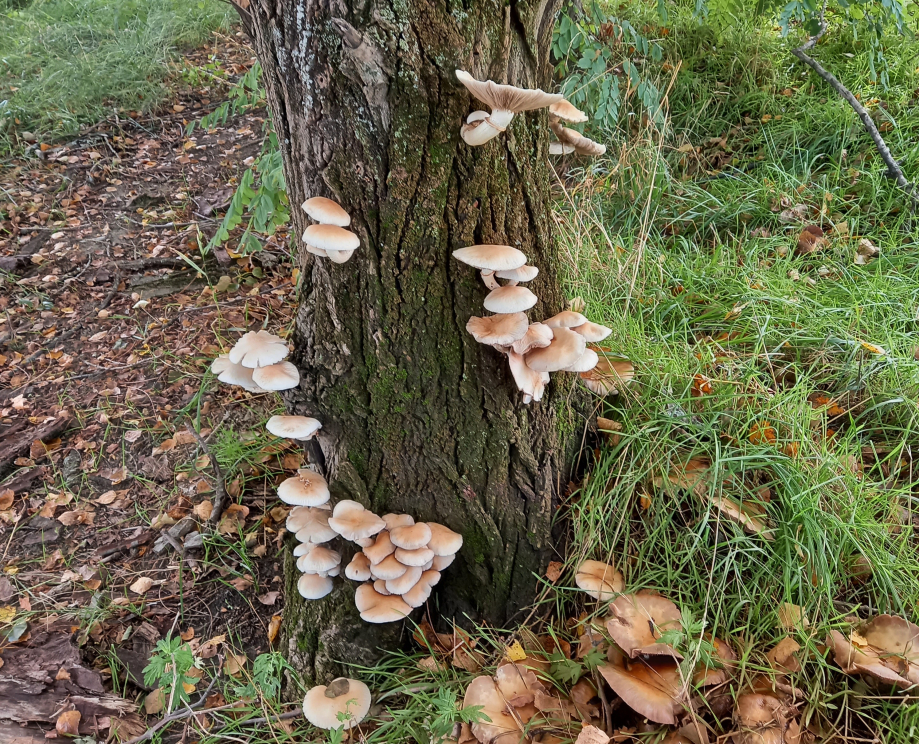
(310, 524)
(353, 522)
(567, 111)
(530, 382)
(235, 374)
(500, 330)
(652, 688)
(566, 348)
(293, 427)
(333, 240)
(280, 376)
(637, 621)
(538, 336)
(600, 580)
(489, 258)
(411, 538)
(765, 719)
(378, 608)
(343, 704)
(306, 488)
(504, 101)
(326, 212)
(887, 648)
(608, 377)
(314, 586)
(258, 349)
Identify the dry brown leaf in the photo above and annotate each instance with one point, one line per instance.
(68, 723)
(165, 446)
(204, 510)
(591, 735)
(155, 702)
(792, 617)
(6, 499)
(269, 598)
(274, 626)
(554, 571)
(241, 583)
(77, 516)
(141, 585)
(187, 635)
(234, 664)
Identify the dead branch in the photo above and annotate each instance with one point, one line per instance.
(220, 500)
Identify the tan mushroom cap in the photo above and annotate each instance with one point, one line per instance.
(280, 376)
(498, 725)
(502, 329)
(377, 608)
(235, 374)
(608, 377)
(592, 332)
(398, 520)
(318, 559)
(419, 594)
(310, 524)
(509, 299)
(651, 688)
(444, 541)
(441, 562)
(413, 558)
(584, 363)
(507, 97)
(293, 427)
(359, 568)
(567, 111)
(314, 586)
(306, 488)
(411, 538)
(380, 548)
(530, 382)
(353, 522)
(318, 251)
(582, 145)
(388, 568)
(893, 634)
(600, 580)
(765, 719)
(326, 212)
(343, 704)
(379, 586)
(781, 656)
(887, 650)
(331, 238)
(401, 584)
(258, 349)
(718, 672)
(566, 348)
(525, 273)
(566, 319)
(489, 257)
(538, 336)
(636, 622)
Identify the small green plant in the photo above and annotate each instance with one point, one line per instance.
(267, 677)
(168, 669)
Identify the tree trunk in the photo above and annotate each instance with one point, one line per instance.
(417, 417)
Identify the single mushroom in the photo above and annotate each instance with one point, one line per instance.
(353, 522)
(444, 541)
(567, 111)
(413, 558)
(310, 524)
(380, 548)
(380, 587)
(359, 568)
(306, 488)
(509, 299)
(280, 376)
(235, 374)
(637, 621)
(584, 363)
(341, 705)
(326, 212)
(566, 348)
(258, 349)
(523, 274)
(398, 520)
(332, 239)
(608, 377)
(440, 562)
(411, 538)
(504, 101)
(566, 319)
(301, 428)
(530, 382)
(314, 586)
(501, 330)
(600, 580)
(582, 145)
(318, 559)
(652, 688)
(538, 336)
(388, 568)
(592, 332)
(418, 594)
(401, 584)
(378, 608)
(489, 258)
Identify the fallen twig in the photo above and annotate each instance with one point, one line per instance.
(187, 712)
(220, 500)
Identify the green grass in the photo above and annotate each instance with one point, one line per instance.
(64, 63)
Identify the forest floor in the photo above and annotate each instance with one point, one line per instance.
(758, 471)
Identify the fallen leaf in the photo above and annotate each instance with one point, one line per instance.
(20, 403)
(810, 240)
(62, 675)
(6, 499)
(141, 585)
(6, 589)
(234, 664)
(515, 652)
(792, 617)
(701, 385)
(204, 510)
(165, 446)
(241, 583)
(269, 598)
(274, 626)
(132, 436)
(77, 516)
(68, 723)
(762, 432)
(591, 735)
(554, 571)
(155, 702)
(187, 635)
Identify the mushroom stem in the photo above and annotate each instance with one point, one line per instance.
(512, 283)
(488, 277)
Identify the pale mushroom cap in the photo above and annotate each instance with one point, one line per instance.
(312, 524)
(347, 698)
(414, 558)
(401, 584)
(379, 586)
(380, 547)
(582, 145)
(441, 562)
(388, 568)
(304, 489)
(566, 319)
(331, 238)
(398, 520)
(586, 362)
(650, 688)
(592, 332)
(444, 541)
(476, 116)
(418, 594)
(326, 212)
(566, 348)
(608, 376)
(502, 330)
(538, 336)
(510, 299)
(525, 273)
(236, 374)
(293, 427)
(530, 382)
(567, 111)
(313, 586)
(220, 364)
(353, 522)
(359, 568)
(304, 516)
(258, 349)
(479, 131)
(316, 251)
(507, 97)
(364, 597)
(600, 580)
(280, 376)
(637, 621)
(488, 257)
(560, 148)
(339, 257)
(318, 558)
(411, 538)
(377, 608)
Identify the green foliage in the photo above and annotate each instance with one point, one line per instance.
(247, 94)
(168, 668)
(267, 677)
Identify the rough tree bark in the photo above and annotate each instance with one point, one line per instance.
(417, 417)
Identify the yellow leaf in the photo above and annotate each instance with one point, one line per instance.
(7, 614)
(873, 348)
(515, 652)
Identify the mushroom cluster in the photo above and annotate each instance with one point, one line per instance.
(557, 344)
(507, 100)
(329, 238)
(255, 363)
